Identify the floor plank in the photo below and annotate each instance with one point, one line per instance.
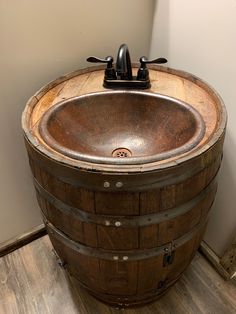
(31, 282)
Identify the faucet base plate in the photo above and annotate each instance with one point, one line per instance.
(132, 84)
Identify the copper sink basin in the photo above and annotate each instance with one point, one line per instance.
(122, 127)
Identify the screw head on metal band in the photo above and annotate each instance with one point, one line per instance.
(117, 223)
(106, 184)
(119, 184)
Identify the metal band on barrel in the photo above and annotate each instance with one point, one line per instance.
(120, 221)
(122, 256)
(135, 185)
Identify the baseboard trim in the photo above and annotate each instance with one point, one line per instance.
(214, 260)
(228, 260)
(21, 240)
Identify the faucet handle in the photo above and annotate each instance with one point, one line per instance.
(107, 60)
(110, 73)
(143, 74)
(143, 60)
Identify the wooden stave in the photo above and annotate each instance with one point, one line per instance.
(132, 215)
(138, 299)
(137, 296)
(201, 159)
(151, 179)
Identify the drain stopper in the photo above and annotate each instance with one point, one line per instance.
(121, 153)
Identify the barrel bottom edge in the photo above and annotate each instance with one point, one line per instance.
(123, 302)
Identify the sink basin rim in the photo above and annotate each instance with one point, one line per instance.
(138, 160)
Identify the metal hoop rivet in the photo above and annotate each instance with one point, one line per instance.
(106, 184)
(119, 184)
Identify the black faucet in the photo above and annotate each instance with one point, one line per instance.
(121, 76)
(123, 64)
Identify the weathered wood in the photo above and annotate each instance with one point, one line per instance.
(109, 238)
(174, 83)
(32, 282)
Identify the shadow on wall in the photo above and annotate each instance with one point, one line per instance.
(222, 211)
(160, 30)
(38, 45)
(179, 36)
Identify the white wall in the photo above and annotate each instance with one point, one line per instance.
(200, 37)
(40, 40)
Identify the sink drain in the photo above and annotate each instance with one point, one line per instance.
(121, 153)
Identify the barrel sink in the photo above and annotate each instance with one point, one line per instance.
(125, 179)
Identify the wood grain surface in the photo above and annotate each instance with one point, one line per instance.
(125, 231)
(31, 282)
(174, 83)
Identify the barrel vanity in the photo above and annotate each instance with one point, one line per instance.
(125, 179)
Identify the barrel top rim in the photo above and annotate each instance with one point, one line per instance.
(112, 168)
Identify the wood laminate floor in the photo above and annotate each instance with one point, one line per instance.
(31, 282)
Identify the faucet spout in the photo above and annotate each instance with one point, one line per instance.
(123, 63)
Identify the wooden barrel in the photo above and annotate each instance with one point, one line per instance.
(126, 243)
